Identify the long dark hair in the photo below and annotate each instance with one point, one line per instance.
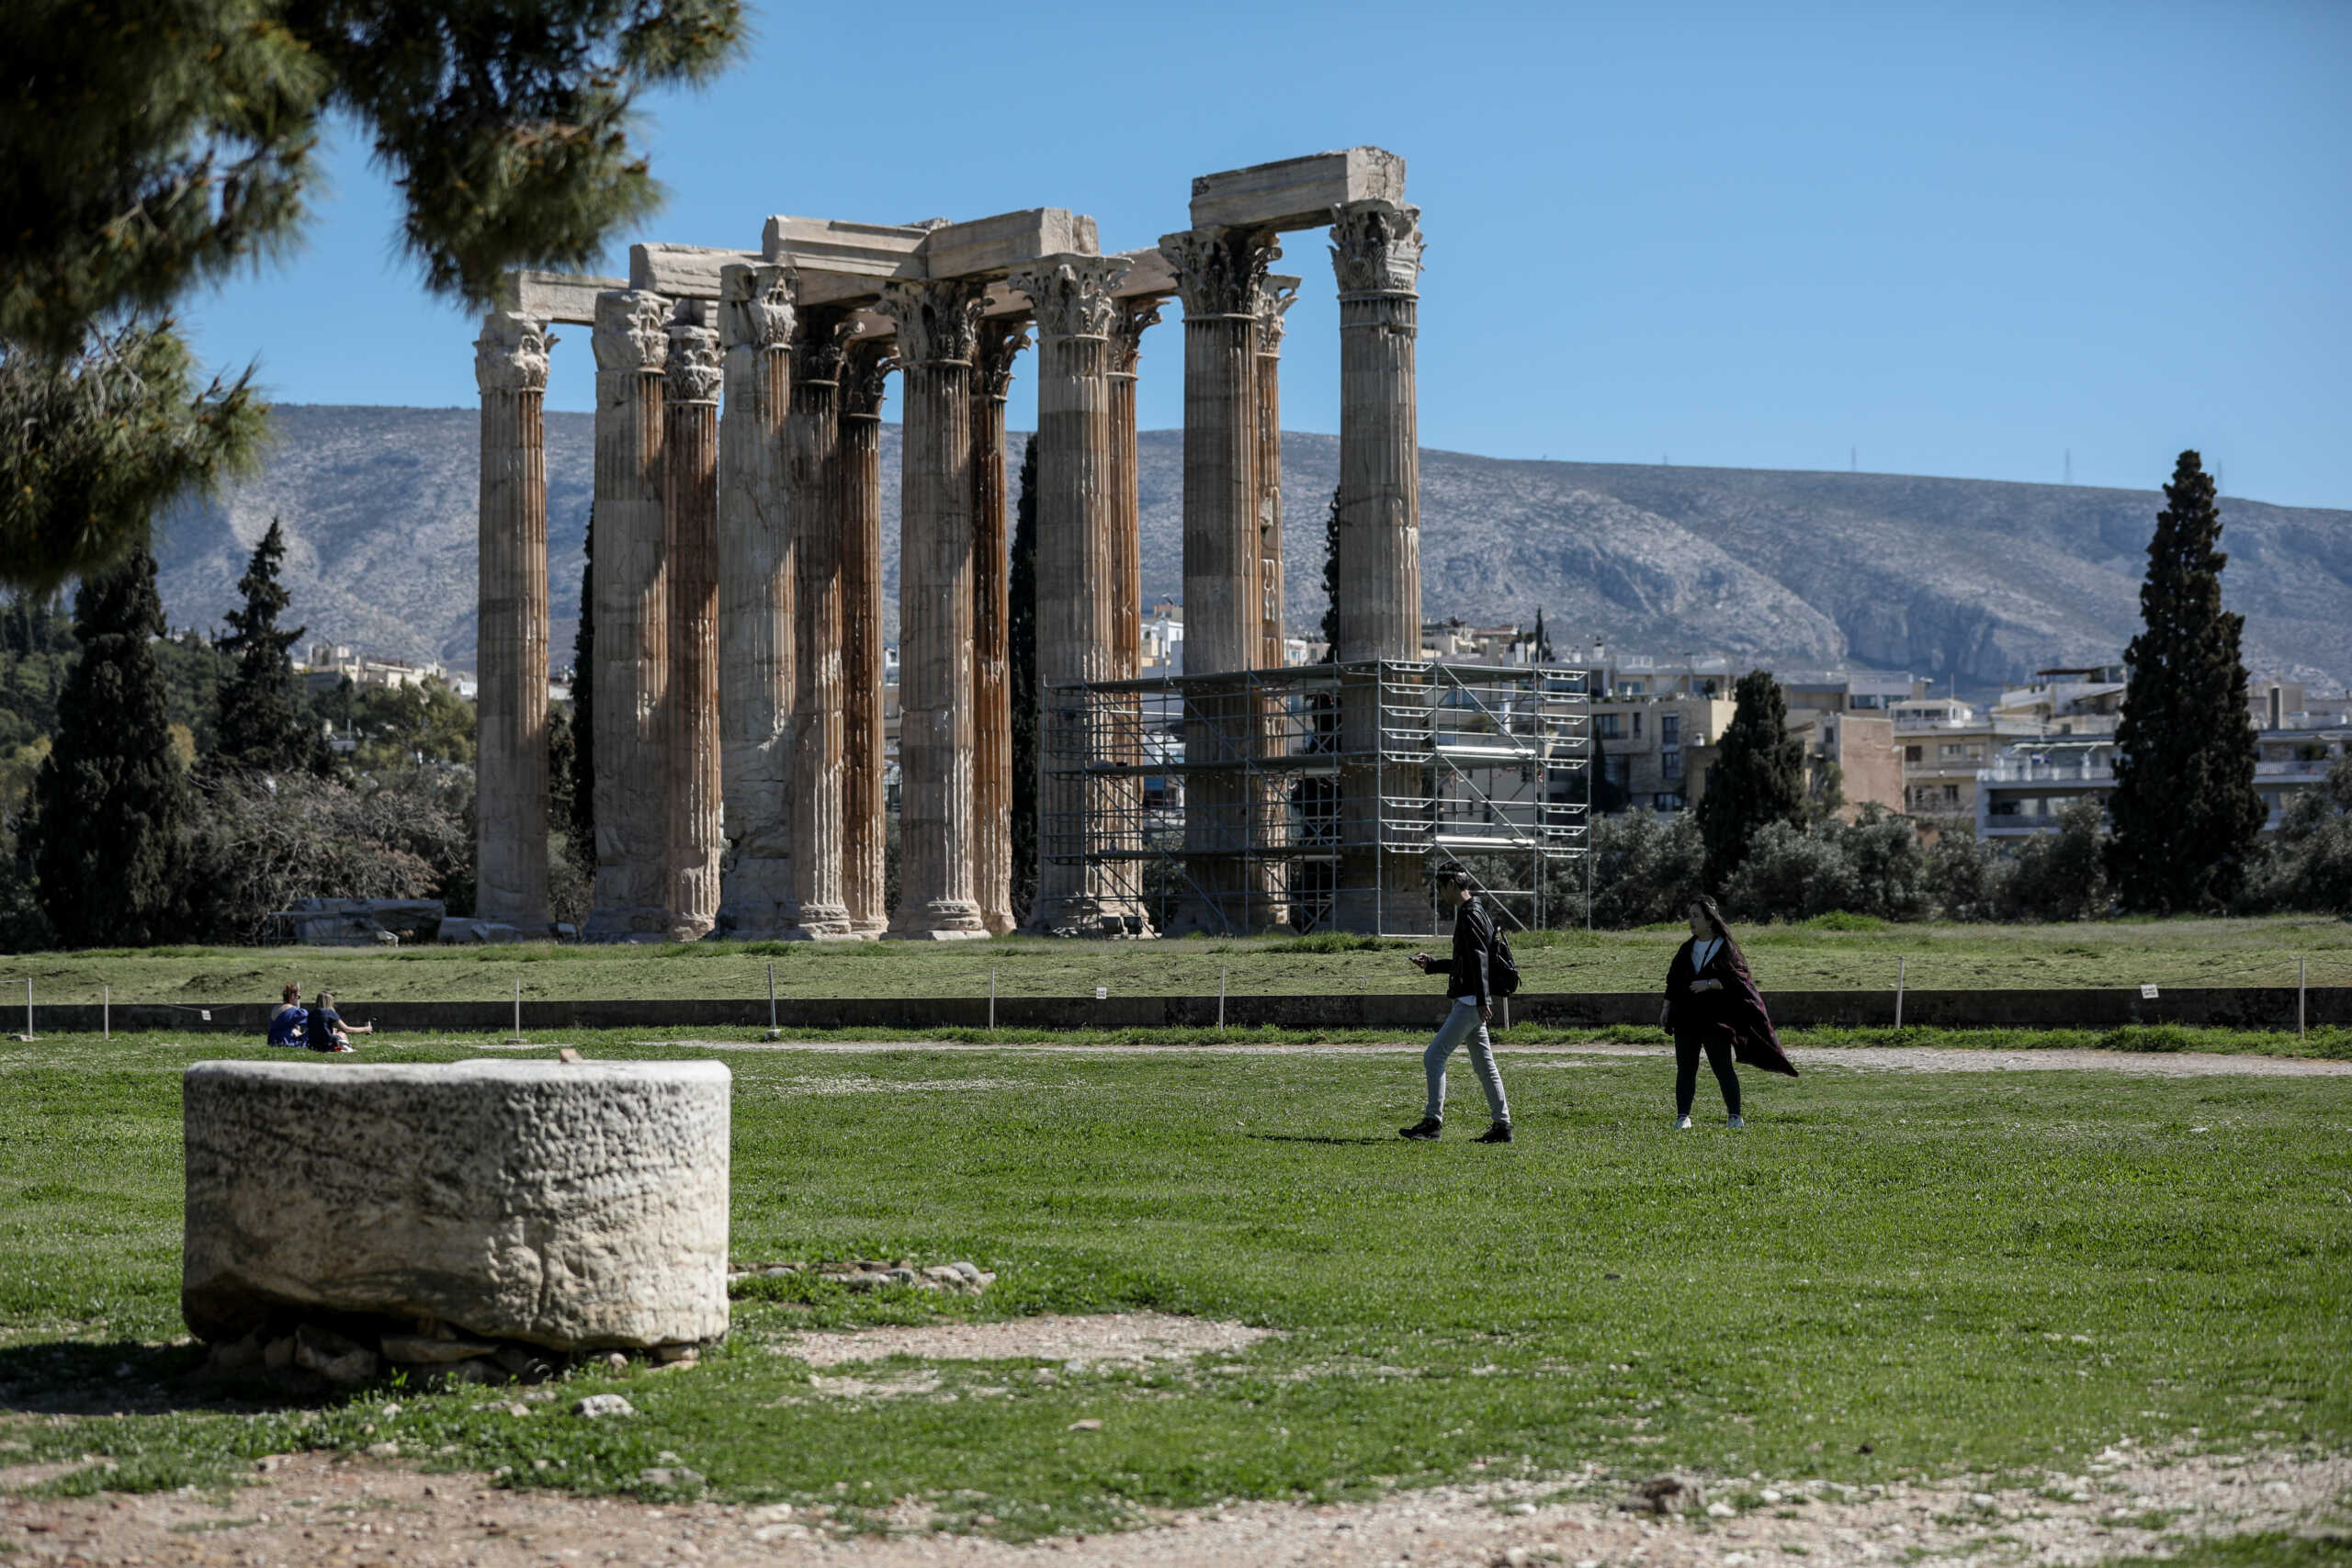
(1715, 914)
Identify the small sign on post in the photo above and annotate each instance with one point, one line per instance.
(2147, 993)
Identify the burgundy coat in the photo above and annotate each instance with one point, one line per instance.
(1737, 1012)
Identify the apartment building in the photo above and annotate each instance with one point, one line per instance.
(1656, 749)
(1945, 743)
(2030, 781)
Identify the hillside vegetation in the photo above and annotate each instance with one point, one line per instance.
(1969, 581)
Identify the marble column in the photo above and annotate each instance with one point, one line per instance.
(631, 584)
(1000, 341)
(1124, 805)
(511, 715)
(755, 601)
(938, 326)
(1135, 316)
(1219, 274)
(690, 513)
(865, 800)
(1270, 880)
(1077, 555)
(1274, 301)
(1376, 254)
(812, 460)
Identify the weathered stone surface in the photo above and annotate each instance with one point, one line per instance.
(569, 297)
(682, 272)
(997, 244)
(1297, 193)
(570, 1207)
(360, 922)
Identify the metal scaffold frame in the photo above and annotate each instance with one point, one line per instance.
(1316, 797)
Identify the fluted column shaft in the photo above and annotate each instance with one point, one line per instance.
(1376, 254)
(511, 713)
(812, 447)
(690, 511)
(937, 324)
(1076, 558)
(630, 581)
(865, 801)
(1135, 316)
(755, 601)
(1273, 301)
(1218, 276)
(1000, 341)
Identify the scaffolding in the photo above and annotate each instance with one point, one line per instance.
(1318, 796)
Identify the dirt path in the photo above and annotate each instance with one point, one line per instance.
(311, 1508)
(1865, 1058)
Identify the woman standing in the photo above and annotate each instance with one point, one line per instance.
(1711, 1005)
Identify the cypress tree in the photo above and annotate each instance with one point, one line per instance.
(263, 727)
(1542, 652)
(1758, 778)
(2184, 810)
(111, 805)
(580, 821)
(1021, 634)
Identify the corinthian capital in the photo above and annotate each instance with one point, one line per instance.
(1072, 294)
(1001, 339)
(1376, 247)
(822, 338)
(866, 373)
(1218, 270)
(1274, 302)
(511, 355)
(694, 369)
(632, 330)
(1136, 316)
(755, 305)
(939, 322)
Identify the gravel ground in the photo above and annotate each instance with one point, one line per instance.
(1115, 1338)
(1882, 1058)
(313, 1509)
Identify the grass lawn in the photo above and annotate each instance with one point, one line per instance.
(1815, 955)
(1889, 1275)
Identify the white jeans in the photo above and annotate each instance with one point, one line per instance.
(1464, 1023)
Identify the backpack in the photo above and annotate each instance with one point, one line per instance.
(1502, 969)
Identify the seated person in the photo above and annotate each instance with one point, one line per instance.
(328, 1031)
(286, 1025)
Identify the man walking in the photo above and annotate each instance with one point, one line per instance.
(1467, 984)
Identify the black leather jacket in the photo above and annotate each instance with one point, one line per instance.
(1474, 939)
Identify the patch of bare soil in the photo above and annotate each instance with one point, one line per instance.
(1117, 1339)
(310, 1508)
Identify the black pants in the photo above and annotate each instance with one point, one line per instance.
(1686, 1071)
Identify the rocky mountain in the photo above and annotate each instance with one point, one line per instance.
(1970, 581)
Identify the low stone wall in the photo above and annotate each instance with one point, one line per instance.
(2240, 1006)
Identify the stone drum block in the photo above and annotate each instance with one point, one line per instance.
(574, 1206)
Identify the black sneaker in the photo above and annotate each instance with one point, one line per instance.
(1425, 1130)
(1497, 1133)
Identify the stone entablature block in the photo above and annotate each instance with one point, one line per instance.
(1297, 193)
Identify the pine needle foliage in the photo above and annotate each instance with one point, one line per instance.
(265, 724)
(111, 804)
(93, 444)
(2184, 810)
(156, 147)
(1021, 635)
(1758, 778)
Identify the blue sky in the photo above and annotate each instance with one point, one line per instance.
(1954, 240)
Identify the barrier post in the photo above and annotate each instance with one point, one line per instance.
(774, 1032)
(991, 999)
(29, 1007)
(2302, 986)
(1220, 999)
(1900, 963)
(517, 1040)
(106, 1011)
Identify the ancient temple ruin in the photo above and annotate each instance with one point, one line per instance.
(738, 673)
